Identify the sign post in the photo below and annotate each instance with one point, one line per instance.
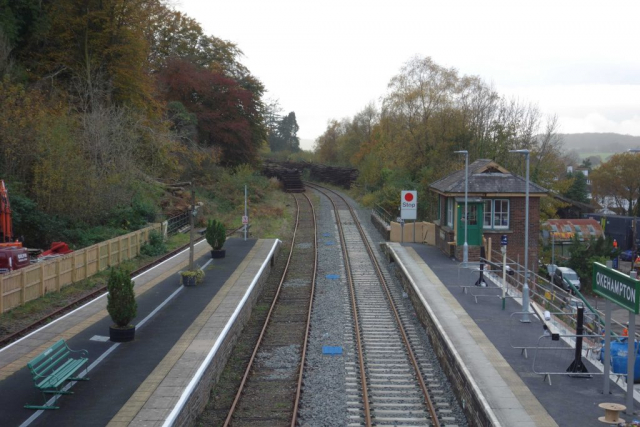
(624, 291)
(245, 218)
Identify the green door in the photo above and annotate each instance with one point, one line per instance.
(474, 227)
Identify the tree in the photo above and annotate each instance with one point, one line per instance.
(229, 116)
(99, 42)
(578, 189)
(618, 181)
(172, 34)
(326, 146)
(285, 136)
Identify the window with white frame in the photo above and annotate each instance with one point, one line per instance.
(496, 214)
(450, 212)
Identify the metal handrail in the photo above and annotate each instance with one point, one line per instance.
(383, 214)
(541, 282)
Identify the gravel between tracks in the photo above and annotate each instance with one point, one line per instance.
(323, 401)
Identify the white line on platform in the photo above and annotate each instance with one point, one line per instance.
(198, 375)
(51, 401)
(92, 301)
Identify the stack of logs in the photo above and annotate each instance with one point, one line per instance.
(342, 177)
(289, 177)
(339, 176)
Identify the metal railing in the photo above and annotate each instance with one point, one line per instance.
(175, 223)
(553, 298)
(385, 216)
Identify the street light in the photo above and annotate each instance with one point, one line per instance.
(525, 288)
(635, 247)
(465, 247)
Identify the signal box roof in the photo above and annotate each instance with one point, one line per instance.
(486, 177)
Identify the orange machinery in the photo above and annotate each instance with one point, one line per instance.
(6, 228)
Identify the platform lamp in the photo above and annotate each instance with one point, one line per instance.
(465, 247)
(525, 288)
(635, 247)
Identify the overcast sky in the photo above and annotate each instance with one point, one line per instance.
(328, 59)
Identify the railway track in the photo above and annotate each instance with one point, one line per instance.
(8, 339)
(389, 382)
(269, 392)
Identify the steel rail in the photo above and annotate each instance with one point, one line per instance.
(92, 295)
(354, 308)
(385, 286)
(247, 371)
(308, 326)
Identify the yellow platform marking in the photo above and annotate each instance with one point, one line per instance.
(528, 401)
(135, 403)
(22, 361)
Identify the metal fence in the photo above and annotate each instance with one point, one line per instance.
(384, 216)
(178, 222)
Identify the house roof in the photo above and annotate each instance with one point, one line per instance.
(565, 229)
(486, 176)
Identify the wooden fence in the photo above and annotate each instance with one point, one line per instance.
(29, 283)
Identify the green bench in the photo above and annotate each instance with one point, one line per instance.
(53, 368)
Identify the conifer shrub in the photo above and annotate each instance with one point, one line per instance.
(121, 300)
(216, 234)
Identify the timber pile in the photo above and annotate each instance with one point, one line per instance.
(289, 177)
(339, 176)
(342, 177)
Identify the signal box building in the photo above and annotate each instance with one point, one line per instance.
(496, 207)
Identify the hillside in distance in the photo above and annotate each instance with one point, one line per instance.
(599, 142)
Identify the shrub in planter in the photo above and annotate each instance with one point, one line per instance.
(121, 305)
(192, 277)
(216, 234)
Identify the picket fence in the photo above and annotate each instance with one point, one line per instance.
(29, 283)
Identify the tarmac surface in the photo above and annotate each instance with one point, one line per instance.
(121, 367)
(570, 401)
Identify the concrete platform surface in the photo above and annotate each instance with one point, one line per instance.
(484, 336)
(141, 382)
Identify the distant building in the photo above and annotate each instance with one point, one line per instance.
(496, 207)
(561, 233)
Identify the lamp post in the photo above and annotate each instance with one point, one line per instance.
(465, 247)
(525, 288)
(635, 247)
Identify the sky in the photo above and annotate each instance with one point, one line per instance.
(326, 59)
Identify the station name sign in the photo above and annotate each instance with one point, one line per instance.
(616, 287)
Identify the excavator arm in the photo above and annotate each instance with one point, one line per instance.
(6, 230)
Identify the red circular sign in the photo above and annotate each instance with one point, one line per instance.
(408, 197)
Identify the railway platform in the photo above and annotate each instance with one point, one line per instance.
(183, 337)
(479, 333)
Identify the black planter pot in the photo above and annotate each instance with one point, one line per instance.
(189, 280)
(218, 254)
(122, 334)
